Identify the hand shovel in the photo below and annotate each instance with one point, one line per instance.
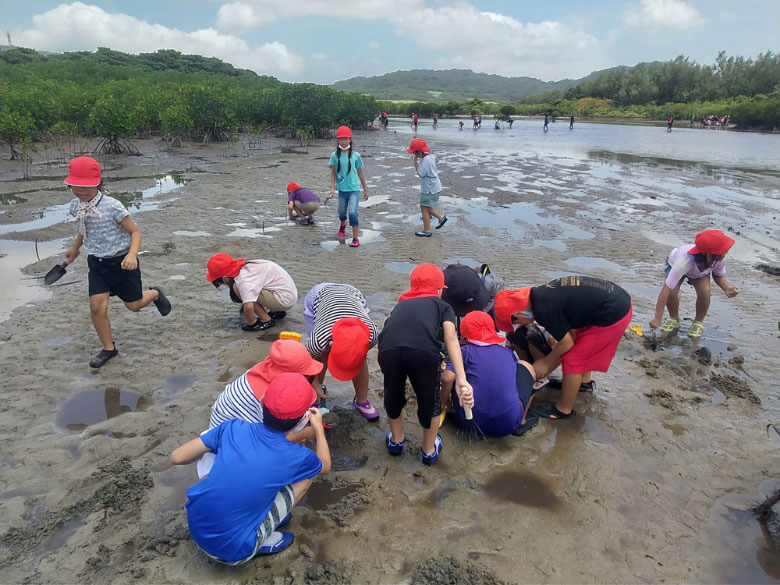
(55, 273)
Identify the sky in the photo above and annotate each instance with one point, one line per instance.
(323, 41)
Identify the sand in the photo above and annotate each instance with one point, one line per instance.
(650, 482)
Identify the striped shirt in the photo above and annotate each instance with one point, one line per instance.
(331, 303)
(104, 237)
(236, 401)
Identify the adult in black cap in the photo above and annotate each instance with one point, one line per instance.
(465, 291)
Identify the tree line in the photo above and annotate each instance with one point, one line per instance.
(119, 97)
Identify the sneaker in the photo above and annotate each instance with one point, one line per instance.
(275, 314)
(423, 234)
(162, 303)
(275, 542)
(671, 324)
(342, 231)
(100, 359)
(354, 243)
(309, 220)
(588, 387)
(304, 221)
(393, 447)
(258, 325)
(284, 521)
(431, 459)
(369, 412)
(441, 222)
(696, 329)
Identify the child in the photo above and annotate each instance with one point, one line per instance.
(302, 202)
(257, 477)
(263, 287)
(346, 175)
(430, 185)
(112, 241)
(586, 316)
(339, 333)
(409, 348)
(696, 263)
(503, 384)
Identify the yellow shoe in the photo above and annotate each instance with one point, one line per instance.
(671, 324)
(697, 328)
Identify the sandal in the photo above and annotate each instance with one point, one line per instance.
(696, 329)
(530, 422)
(550, 411)
(671, 324)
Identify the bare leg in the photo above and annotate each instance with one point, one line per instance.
(445, 387)
(429, 436)
(300, 488)
(426, 217)
(261, 312)
(436, 214)
(570, 388)
(148, 297)
(360, 383)
(673, 302)
(702, 287)
(98, 309)
(355, 232)
(397, 428)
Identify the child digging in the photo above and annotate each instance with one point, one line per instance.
(430, 185)
(112, 240)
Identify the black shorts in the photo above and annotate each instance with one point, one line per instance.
(106, 275)
(423, 370)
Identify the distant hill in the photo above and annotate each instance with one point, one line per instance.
(457, 85)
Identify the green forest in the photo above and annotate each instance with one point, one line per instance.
(118, 97)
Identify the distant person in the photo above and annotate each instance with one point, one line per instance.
(669, 123)
(460, 124)
(264, 288)
(476, 123)
(497, 125)
(430, 185)
(258, 475)
(112, 240)
(509, 121)
(707, 257)
(346, 177)
(414, 121)
(302, 202)
(435, 119)
(546, 122)
(571, 123)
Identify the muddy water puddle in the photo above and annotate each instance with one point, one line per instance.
(178, 383)
(322, 494)
(83, 409)
(523, 488)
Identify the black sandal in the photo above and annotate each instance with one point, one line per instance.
(550, 411)
(258, 325)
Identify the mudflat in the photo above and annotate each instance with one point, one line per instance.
(651, 481)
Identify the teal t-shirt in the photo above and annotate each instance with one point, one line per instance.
(346, 181)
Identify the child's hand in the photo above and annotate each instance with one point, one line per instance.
(365, 195)
(732, 291)
(71, 254)
(542, 368)
(655, 322)
(465, 393)
(315, 417)
(331, 194)
(129, 262)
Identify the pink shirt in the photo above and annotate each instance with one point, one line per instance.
(258, 275)
(683, 264)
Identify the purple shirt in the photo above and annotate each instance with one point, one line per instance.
(304, 196)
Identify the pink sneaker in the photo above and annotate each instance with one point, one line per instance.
(342, 231)
(369, 412)
(354, 243)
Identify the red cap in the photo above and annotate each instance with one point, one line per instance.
(479, 326)
(83, 171)
(351, 338)
(289, 396)
(425, 281)
(418, 144)
(293, 187)
(711, 242)
(285, 356)
(221, 264)
(508, 302)
(343, 132)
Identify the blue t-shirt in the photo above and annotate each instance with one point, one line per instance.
(346, 181)
(492, 372)
(252, 464)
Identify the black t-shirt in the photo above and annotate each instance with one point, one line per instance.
(416, 323)
(574, 302)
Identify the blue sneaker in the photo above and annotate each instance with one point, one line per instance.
(393, 447)
(285, 521)
(431, 459)
(276, 542)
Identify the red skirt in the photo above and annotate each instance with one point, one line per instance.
(594, 347)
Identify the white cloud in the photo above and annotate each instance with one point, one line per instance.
(240, 16)
(373, 45)
(670, 14)
(77, 26)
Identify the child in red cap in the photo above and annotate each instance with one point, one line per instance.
(409, 348)
(257, 477)
(302, 202)
(695, 263)
(503, 386)
(112, 240)
(346, 176)
(264, 288)
(430, 185)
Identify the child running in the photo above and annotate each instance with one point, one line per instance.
(257, 477)
(346, 176)
(430, 185)
(696, 263)
(112, 240)
(409, 347)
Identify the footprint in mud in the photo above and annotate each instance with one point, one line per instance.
(732, 386)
